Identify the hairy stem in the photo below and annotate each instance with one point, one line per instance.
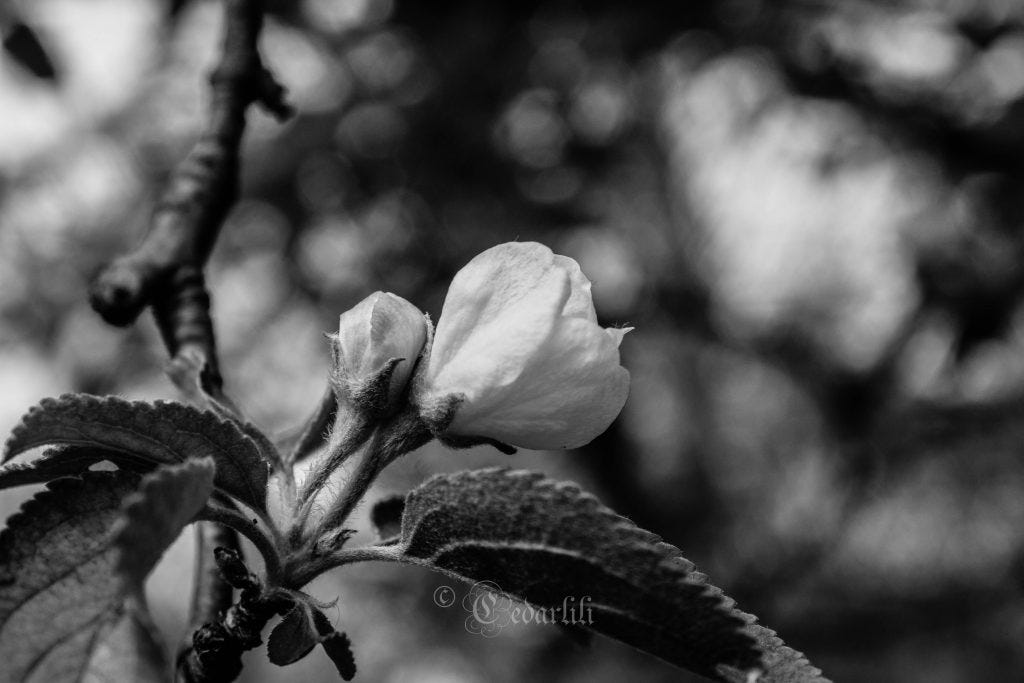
(403, 433)
(234, 520)
(400, 435)
(312, 567)
(315, 431)
(366, 470)
(342, 445)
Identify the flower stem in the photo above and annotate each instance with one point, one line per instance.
(237, 521)
(312, 436)
(401, 435)
(316, 566)
(343, 444)
(369, 466)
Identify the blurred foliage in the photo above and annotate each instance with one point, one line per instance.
(810, 212)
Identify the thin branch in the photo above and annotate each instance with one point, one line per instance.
(203, 188)
(166, 270)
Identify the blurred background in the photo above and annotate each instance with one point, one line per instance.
(811, 212)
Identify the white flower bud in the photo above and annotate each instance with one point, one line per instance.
(518, 356)
(379, 330)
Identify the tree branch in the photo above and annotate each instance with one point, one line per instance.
(188, 217)
(165, 272)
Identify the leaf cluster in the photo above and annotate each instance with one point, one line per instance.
(74, 560)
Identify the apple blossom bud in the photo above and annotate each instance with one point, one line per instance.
(375, 350)
(518, 357)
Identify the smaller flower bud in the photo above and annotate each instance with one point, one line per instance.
(375, 350)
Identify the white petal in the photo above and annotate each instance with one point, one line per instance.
(493, 283)
(495, 355)
(617, 333)
(397, 330)
(518, 340)
(380, 327)
(580, 303)
(353, 330)
(570, 392)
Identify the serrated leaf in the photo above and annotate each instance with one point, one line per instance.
(190, 372)
(161, 433)
(386, 516)
(544, 542)
(303, 628)
(339, 648)
(54, 463)
(63, 612)
(779, 663)
(153, 516)
(267, 450)
(294, 636)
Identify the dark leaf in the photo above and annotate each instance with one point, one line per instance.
(22, 43)
(302, 629)
(779, 663)
(153, 516)
(545, 542)
(295, 636)
(54, 463)
(386, 516)
(190, 372)
(339, 648)
(267, 450)
(161, 433)
(63, 611)
(577, 634)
